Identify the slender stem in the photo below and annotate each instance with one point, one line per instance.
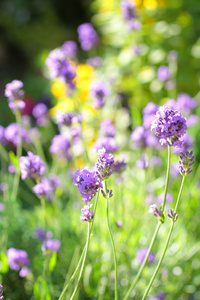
(83, 257)
(167, 177)
(166, 244)
(19, 153)
(113, 248)
(155, 233)
(73, 275)
(84, 260)
(143, 263)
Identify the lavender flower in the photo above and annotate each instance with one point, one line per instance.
(11, 131)
(65, 119)
(87, 215)
(142, 253)
(18, 260)
(88, 183)
(99, 91)
(185, 163)
(61, 147)
(169, 126)
(142, 162)
(163, 73)
(95, 61)
(107, 128)
(14, 90)
(156, 212)
(192, 120)
(141, 137)
(149, 112)
(119, 164)
(2, 135)
(185, 103)
(87, 36)
(109, 143)
(104, 164)
(173, 216)
(50, 246)
(40, 234)
(159, 296)
(31, 166)
(40, 112)
(1, 292)
(43, 188)
(70, 49)
(18, 105)
(11, 168)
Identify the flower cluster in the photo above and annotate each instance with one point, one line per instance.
(18, 261)
(88, 183)
(169, 126)
(49, 245)
(104, 164)
(119, 164)
(185, 163)
(99, 91)
(47, 187)
(87, 36)
(142, 253)
(61, 146)
(129, 15)
(40, 112)
(87, 215)
(15, 93)
(31, 166)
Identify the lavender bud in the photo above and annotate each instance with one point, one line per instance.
(185, 163)
(173, 216)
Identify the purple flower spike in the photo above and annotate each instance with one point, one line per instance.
(119, 164)
(43, 188)
(128, 10)
(14, 90)
(87, 36)
(185, 163)
(88, 184)
(18, 259)
(61, 147)
(31, 166)
(107, 128)
(142, 253)
(104, 164)
(50, 246)
(99, 91)
(87, 215)
(169, 126)
(109, 143)
(153, 210)
(70, 49)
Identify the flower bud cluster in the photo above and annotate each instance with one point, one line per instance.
(173, 216)
(104, 164)
(185, 163)
(1, 292)
(15, 93)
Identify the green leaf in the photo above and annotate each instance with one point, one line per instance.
(4, 266)
(41, 290)
(13, 159)
(53, 261)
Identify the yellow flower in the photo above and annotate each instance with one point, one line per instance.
(58, 89)
(150, 4)
(84, 72)
(65, 104)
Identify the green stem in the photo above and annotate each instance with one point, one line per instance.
(167, 177)
(166, 244)
(19, 153)
(155, 233)
(113, 248)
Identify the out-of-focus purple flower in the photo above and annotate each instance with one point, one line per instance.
(141, 137)
(187, 142)
(50, 246)
(185, 163)
(149, 199)
(107, 128)
(14, 90)
(128, 10)
(88, 183)
(149, 112)
(17, 105)
(163, 73)
(192, 120)
(76, 134)
(43, 188)
(70, 49)
(40, 234)
(87, 36)
(155, 161)
(95, 61)
(159, 296)
(11, 168)
(17, 259)
(60, 66)
(119, 164)
(185, 103)
(142, 253)
(134, 25)
(174, 170)
(172, 55)
(54, 181)
(87, 215)
(99, 91)
(61, 146)
(142, 162)
(64, 118)
(1, 292)
(136, 49)
(169, 198)
(104, 164)
(11, 131)
(169, 85)
(31, 166)
(171, 103)
(40, 112)
(169, 126)
(1, 206)
(109, 143)
(23, 272)
(119, 224)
